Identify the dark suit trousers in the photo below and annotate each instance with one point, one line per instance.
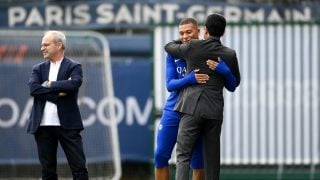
(47, 138)
(190, 129)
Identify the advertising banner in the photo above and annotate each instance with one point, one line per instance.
(95, 14)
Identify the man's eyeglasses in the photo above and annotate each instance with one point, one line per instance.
(45, 45)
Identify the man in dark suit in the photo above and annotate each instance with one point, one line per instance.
(55, 115)
(201, 105)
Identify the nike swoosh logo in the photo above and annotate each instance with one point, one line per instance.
(176, 60)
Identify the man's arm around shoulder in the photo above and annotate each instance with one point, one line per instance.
(177, 49)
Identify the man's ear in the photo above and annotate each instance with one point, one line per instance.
(206, 33)
(60, 45)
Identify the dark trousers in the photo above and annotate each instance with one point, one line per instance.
(190, 128)
(47, 138)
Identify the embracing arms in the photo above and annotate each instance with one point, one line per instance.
(173, 82)
(221, 68)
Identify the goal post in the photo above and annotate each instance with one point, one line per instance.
(19, 51)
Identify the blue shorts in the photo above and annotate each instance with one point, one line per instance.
(166, 139)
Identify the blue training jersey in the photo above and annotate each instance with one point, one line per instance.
(175, 81)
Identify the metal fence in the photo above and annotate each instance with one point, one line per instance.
(273, 117)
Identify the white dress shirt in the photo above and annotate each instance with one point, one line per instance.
(50, 113)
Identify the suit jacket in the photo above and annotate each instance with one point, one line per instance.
(207, 97)
(69, 80)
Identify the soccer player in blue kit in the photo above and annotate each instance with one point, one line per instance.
(176, 80)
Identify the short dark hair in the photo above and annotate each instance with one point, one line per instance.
(188, 21)
(216, 24)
